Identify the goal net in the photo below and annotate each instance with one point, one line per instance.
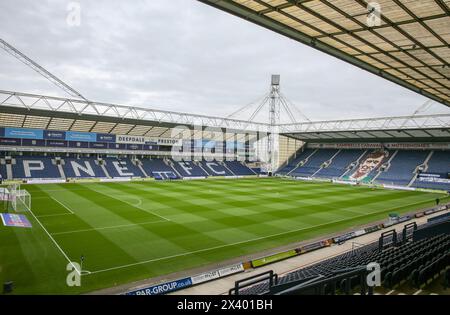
(14, 198)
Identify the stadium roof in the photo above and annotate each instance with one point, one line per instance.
(410, 46)
(24, 110)
(430, 128)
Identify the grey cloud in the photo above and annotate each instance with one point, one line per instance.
(185, 56)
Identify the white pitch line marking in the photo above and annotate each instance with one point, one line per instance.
(54, 242)
(52, 215)
(131, 204)
(62, 204)
(231, 244)
(417, 292)
(390, 292)
(108, 227)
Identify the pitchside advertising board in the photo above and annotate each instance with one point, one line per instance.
(179, 284)
(15, 220)
(434, 177)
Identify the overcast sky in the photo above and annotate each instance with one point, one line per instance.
(183, 55)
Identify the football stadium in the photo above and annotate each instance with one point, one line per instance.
(103, 198)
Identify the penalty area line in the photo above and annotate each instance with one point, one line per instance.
(67, 208)
(54, 242)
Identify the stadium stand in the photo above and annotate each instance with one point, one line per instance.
(215, 168)
(339, 164)
(158, 169)
(188, 169)
(300, 156)
(122, 168)
(82, 168)
(439, 163)
(315, 162)
(402, 167)
(238, 168)
(414, 261)
(34, 167)
(3, 171)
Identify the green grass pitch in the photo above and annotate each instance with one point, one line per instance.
(136, 230)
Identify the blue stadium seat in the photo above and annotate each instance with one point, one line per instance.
(314, 163)
(188, 169)
(417, 261)
(82, 168)
(122, 168)
(215, 169)
(35, 167)
(339, 164)
(402, 167)
(3, 171)
(293, 164)
(439, 162)
(238, 168)
(158, 169)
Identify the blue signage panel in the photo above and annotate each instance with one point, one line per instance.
(54, 135)
(9, 141)
(98, 145)
(117, 146)
(163, 287)
(24, 133)
(33, 143)
(56, 143)
(2, 132)
(104, 137)
(150, 147)
(78, 144)
(81, 136)
(134, 146)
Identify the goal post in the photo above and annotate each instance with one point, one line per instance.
(15, 198)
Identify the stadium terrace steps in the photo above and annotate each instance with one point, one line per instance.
(158, 169)
(3, 172)
(339, 164)
(439, 161)
(424, 166)
(61, 171)
(377, 170)
(139, 165)
(105, 171)
(226, 167)
(314, 162)
(188, 169)
(122, 168)
(402, 166)
(214, 168)
(239, 168)
(357, 162)
(300, 156)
